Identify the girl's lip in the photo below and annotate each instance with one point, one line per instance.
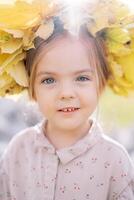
(70, 109)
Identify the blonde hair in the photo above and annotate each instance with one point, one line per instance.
(97, 55)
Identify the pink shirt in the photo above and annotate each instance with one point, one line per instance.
(94, 168)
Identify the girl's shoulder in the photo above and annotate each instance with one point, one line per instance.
(22, 141)
(113, 148)
(116, 155)
(121, 167)
(106, 145)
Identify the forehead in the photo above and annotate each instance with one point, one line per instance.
(67, 53)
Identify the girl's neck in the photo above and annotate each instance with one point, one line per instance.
(60, 139)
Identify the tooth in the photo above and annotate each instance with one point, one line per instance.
(68, 109)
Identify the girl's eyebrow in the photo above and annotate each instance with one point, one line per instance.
(53, 73)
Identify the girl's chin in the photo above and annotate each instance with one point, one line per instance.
(69, 124)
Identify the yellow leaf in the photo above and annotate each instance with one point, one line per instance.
(119, 35)
(116, 40)
(120, 86)
(3, 58)
(22, 15)
(28, 38)
(11, 46)
(45, 30)
(127, 63)
(118, 48)
(5, 79)
(106, 14)
(4, 36)
(116, 69)
(14, 33)
(10, 88)
(19, 74)
(8, 58)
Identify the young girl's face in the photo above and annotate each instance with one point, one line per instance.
(65, 78)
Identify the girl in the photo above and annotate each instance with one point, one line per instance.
(66, 156)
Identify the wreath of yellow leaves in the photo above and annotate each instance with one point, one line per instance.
(22, 21)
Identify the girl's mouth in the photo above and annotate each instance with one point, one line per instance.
(69, 110)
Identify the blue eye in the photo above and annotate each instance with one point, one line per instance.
(83, 78)
(48, 81)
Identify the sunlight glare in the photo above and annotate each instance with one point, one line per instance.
(73, 3)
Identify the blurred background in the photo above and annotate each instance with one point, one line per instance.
(114, 113)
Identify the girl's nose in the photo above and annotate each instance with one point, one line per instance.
(67, 91)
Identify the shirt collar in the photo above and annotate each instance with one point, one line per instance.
(69, 153)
